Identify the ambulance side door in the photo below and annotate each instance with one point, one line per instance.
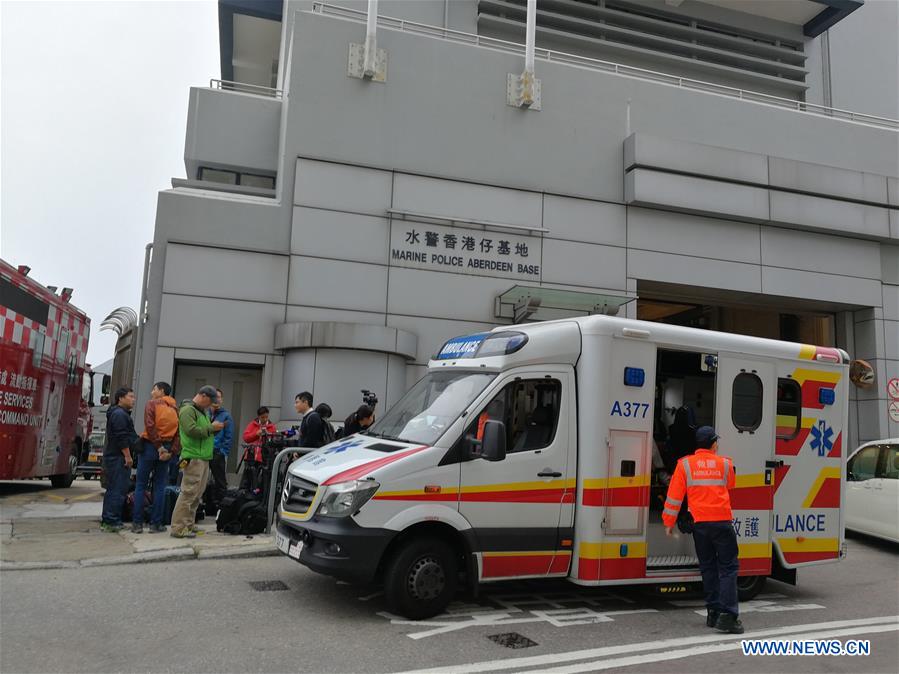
(515, 505)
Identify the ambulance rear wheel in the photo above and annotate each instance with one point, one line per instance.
(421, 578)
(749, 586)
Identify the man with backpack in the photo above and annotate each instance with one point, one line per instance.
(159, 443)
(313, 431)
(197, 433)
(221, 448)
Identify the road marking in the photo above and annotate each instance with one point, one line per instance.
(572, 656)
(556, 617)
(632, 660)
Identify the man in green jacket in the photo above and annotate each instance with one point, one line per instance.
(197, 440)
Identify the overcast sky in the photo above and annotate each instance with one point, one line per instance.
(93, 113)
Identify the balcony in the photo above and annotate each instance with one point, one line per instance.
(232, 137)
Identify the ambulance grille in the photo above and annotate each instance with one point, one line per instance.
(298, 495)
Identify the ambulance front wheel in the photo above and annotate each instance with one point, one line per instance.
(749, 586)
(421, 578)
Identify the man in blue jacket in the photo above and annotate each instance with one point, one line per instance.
(117, 461)
(219, 464)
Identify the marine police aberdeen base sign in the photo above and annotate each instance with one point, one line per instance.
(464, 251)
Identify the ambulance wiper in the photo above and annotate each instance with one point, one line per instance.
(396, 439)
(371, 433)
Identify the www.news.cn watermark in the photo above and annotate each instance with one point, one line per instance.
(818, 647)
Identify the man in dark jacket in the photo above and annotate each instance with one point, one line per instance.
(312, 430)
(117, 462)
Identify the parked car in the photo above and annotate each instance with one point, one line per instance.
(872, 489)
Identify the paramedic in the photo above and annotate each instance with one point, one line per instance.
(705, 478)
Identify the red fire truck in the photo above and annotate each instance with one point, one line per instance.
(45, 420)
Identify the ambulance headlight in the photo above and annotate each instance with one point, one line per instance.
(345, 498)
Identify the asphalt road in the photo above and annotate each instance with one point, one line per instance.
(205, 616)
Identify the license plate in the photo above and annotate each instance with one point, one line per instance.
(295, 550)
(283, 542)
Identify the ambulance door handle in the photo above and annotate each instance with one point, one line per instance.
(548, 472)
(774, 464)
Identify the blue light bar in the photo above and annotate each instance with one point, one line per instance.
(634, 376)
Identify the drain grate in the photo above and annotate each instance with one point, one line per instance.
(512, 640)
(268, 585)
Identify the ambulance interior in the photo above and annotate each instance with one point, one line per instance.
(684, 401)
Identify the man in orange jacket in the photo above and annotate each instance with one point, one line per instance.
(705, 478)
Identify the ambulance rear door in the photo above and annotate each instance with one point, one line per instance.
(745, 406)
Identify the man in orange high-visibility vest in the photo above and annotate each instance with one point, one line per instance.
(705, 478)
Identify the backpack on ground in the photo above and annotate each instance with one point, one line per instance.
(252, 518)
(228, 520)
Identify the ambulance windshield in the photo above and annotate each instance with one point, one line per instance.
(431, 406)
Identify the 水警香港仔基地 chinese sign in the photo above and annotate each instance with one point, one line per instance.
(464, 251)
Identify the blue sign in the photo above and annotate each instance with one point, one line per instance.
(461, 347)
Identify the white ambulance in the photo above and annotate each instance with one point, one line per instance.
(544, 450)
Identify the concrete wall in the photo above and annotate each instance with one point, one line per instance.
(438, 138)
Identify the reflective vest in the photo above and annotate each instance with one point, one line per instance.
(705, 478)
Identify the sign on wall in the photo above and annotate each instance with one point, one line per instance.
(459, 250)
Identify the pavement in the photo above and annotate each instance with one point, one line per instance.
(46, 528)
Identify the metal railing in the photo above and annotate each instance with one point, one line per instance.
(273, 492)
(552, 56)
(244, 88)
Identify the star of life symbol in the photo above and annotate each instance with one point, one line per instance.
(342, 447)
(821, 438)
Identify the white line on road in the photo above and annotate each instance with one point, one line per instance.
(630, 661)
(571, 656)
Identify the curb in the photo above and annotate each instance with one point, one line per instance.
(177, 554)
(266, 550)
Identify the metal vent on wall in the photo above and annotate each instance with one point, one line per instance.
(659, 40)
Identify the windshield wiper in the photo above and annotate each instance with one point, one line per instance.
(396, 439)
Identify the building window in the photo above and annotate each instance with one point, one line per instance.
(789, 409)
(223, 177)
(253, 180)
(218, 176)
(746, 402)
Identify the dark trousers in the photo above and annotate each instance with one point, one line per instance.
(118, 478)
(219, 468)
(716, 548)
(148, 463)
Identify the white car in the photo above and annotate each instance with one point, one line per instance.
(872, 489)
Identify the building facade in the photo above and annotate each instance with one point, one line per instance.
(684, 161)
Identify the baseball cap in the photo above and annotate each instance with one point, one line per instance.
(210, 392)
(705, 437)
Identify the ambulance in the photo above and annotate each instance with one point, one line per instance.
(544, 451)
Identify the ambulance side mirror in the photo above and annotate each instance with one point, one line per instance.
(493, 447)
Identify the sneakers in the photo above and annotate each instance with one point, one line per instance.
(196, 530)
(711, 617)
(137, 528)
(187, 533)
(728, 622)
(110, 528)
(157, 528)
